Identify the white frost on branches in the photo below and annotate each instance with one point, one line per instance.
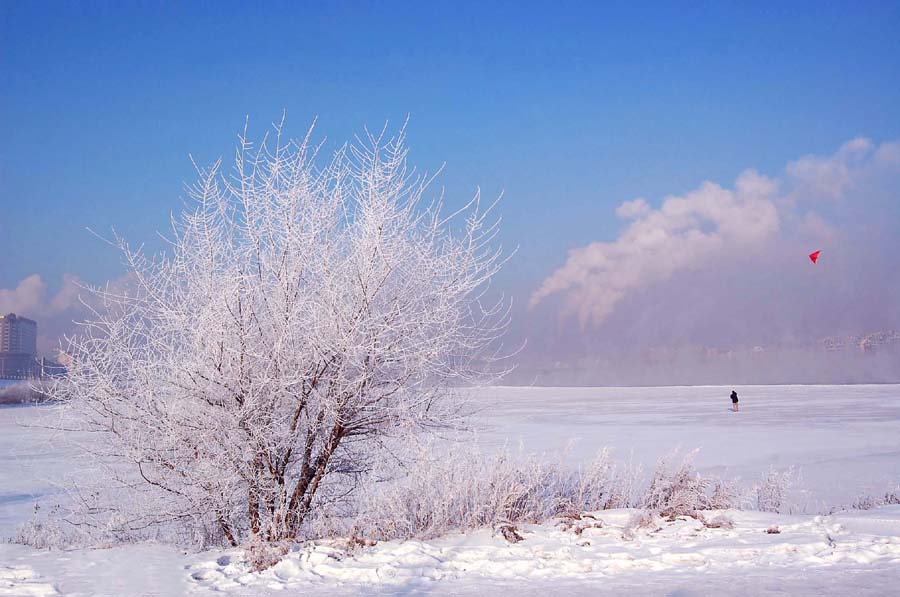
(301, 315)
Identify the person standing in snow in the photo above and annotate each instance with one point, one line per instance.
(734, 401)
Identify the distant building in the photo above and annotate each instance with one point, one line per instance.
(877, 341)
(17, 366)
(18, 347)
(18, 334)
(833, 344)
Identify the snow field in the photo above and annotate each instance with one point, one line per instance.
(603, 548)
(22, 580)
(842, 440)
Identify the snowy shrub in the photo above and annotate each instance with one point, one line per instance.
(261, 554)
(302, 314)
(770, 492)
(603, 485)
(864, 502)
(460, 489)
(725, 495)
(868, 501)
(591, 485)
(41, 532)
(624, 490)
(678, 490)
(53, 529)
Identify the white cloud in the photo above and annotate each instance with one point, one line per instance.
(829, 177)
(684, 232)
(633, 209)
(703, 228)
(814, 229)
(888, 154)
(30, 297)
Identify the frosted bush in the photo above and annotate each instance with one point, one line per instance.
(41, 532)
(305, 310)
(868, 501)
(770, 492)
(725, 495)
(603, 485)
(461, 489)
(261, 554)
(678, 490)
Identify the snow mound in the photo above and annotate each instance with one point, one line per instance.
(598, 551)
(22, 580)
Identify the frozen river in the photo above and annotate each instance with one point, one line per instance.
(844, 440)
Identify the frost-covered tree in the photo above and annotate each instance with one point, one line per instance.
(301, 314)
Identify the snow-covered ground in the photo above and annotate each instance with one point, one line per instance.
(597, 554)
(843, 439)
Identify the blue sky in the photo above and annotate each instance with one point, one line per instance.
(571, 108)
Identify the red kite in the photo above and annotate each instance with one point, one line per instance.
(814, 256)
